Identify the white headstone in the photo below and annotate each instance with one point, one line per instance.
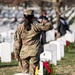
(0, 49)
(71, 16)
(50, 35)
(5, 52)
(68, 13)
(58, 49)
(11, 38)
(45, 56)
(62, 46)
(49, 54)
(11, 34)
(53, 52)
(74, 35)
(63, 39)
(4, 36)
(69, 37)
(72, 28)
(41, 68)
(0, 38)
(12, 46)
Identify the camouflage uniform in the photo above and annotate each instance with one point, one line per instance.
(27, 45)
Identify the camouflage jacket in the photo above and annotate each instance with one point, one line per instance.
(27, 43)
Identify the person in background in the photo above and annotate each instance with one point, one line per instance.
(63, 26)
(43, 15)
(43, 33)
(27, 45)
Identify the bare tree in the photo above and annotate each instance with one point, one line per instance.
(57, 9)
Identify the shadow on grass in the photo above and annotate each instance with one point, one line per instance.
(9, 64)
(71, 52)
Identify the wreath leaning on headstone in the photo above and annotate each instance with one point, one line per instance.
(48, 68)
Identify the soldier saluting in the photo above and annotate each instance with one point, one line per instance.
(27, 46)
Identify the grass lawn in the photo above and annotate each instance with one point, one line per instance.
(9, 68)
(65, 67)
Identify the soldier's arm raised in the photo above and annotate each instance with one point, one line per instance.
(42, 26)
(45, 26)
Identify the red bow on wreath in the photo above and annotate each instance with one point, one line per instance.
(67, 43)
(45, 64)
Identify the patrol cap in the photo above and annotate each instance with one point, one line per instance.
(27, 12)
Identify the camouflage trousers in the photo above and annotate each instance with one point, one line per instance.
(28, 65)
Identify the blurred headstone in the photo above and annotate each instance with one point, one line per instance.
(0, 49)
(69, 37)
(50, 35)
(49, 55)
(5, 52)
(11, 38)
(4, 36)
(52, 50)
(61, 46)
(58, 49)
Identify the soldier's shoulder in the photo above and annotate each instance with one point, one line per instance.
(20, 28)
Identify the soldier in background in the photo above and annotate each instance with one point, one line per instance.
(27, 46)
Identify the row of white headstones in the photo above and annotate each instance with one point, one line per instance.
(6, 45)
(53, 50)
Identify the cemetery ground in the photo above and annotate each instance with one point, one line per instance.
(64, 67)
